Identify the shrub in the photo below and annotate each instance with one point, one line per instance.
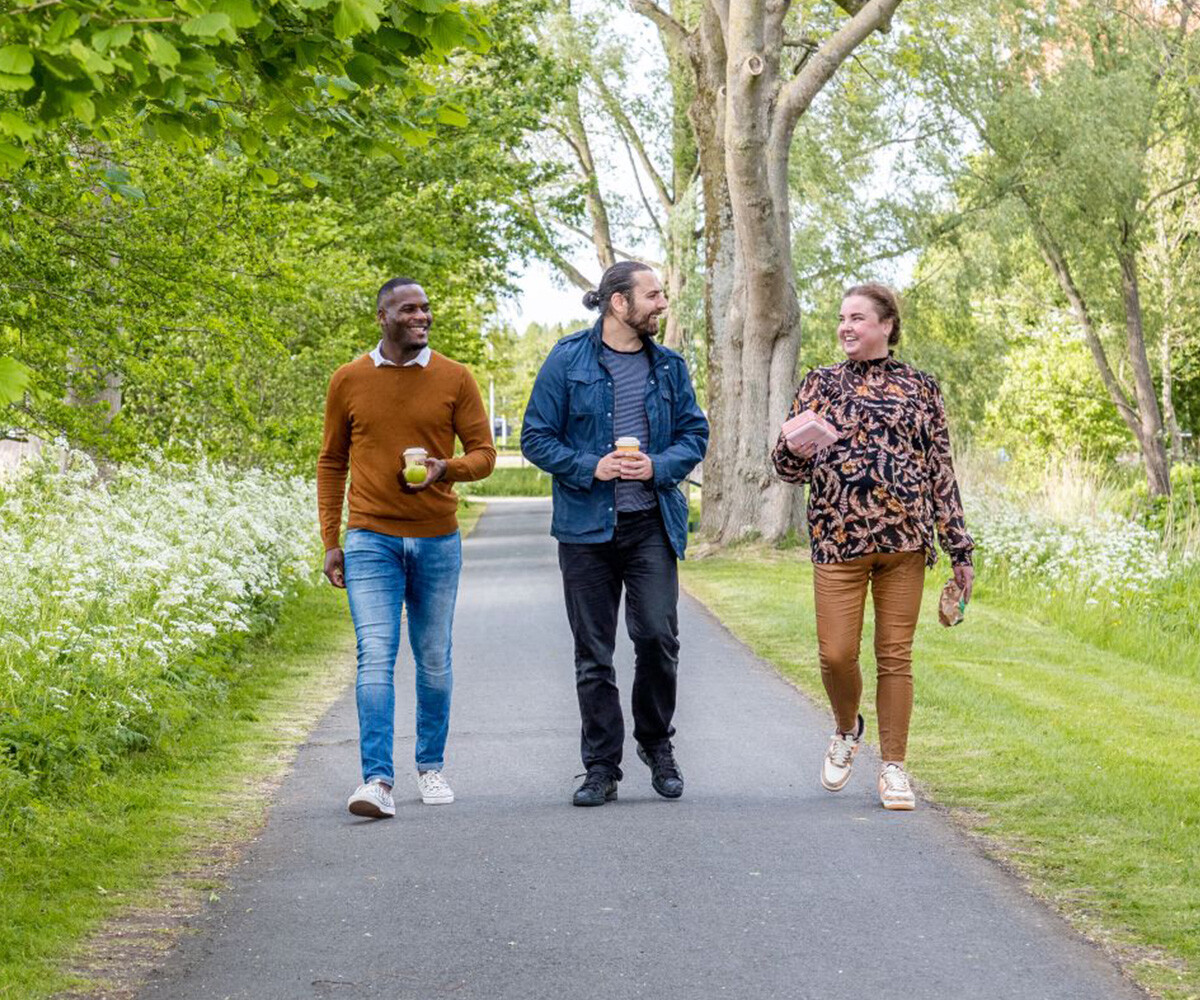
(124, 596)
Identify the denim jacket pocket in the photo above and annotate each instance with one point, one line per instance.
(584, 392)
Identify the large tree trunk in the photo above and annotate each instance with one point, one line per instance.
(1141, 414)
(744, 116)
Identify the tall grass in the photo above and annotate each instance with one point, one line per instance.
(1086, 550)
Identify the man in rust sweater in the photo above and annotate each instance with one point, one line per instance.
(402, 545)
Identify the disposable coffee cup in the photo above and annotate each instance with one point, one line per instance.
(414, 465)
(628, 444)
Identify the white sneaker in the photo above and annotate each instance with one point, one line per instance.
(372, 799)
(434, 790)
(839, 758)
(895, 792)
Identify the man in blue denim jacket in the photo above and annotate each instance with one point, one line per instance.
(619, 515)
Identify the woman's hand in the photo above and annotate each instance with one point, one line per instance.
(805, 450)
(964, 576)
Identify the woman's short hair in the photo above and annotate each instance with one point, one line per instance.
(886, 304)
(617, 279)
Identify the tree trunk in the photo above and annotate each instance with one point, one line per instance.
(1150, 435)
(744, 116)
(1174, 434)
(1146, 427)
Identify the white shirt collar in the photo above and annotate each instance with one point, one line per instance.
(421, 359)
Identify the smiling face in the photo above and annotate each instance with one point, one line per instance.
(644, 306)
(862, 334)
(405, 318)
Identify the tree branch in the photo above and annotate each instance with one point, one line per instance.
(852, 7)
(568, 270)
(670, 28)
(617, 251)
(800, 91)
(641, 192)
(631, 135)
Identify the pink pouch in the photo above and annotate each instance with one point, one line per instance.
(809, 428)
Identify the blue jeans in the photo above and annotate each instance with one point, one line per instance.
(384, 575)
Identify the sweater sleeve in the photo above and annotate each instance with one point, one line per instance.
(947, 504)
(472, 429)
(333, 463)
(789, 466)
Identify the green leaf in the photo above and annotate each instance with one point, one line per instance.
(90, 59)
(355, 16)
(14, 379)
(449, 32)
(16, 125)
(427, 6)
(84, 109)
(16, 59)
(241, 13)
(362, 69)
(64, 26)
(452, 114)
(11, 157)
(10, 82)
(213, 25)
(341, 87)
(112, 38)
(268, 176)
(159, 50)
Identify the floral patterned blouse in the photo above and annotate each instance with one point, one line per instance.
(887, 484)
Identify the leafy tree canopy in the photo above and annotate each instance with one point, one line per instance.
(250, 68)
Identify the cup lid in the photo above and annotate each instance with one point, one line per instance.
(625, 442)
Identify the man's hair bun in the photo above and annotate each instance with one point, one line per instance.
(591, 300)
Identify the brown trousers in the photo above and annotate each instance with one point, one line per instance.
(897, 580)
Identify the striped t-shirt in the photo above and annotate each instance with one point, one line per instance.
(630, 370)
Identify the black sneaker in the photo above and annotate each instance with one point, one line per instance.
(665, 776)
(598, 787)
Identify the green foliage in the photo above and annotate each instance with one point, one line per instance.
(14, 380)
(513, 362)
(242, 69)
(1176, 517)
(1050, 401)
(213, 304)
(1073, 138)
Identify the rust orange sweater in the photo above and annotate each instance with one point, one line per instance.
(371, 415)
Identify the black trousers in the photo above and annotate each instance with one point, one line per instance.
(639, 558)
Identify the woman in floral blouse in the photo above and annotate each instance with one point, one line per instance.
(878, 496)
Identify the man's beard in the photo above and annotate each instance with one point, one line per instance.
(646, 325)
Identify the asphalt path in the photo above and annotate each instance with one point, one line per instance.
(757, 884)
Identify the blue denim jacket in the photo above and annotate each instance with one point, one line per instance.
(568, 428)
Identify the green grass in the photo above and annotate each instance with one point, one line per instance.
(103, 850)
(1075, 760)
(526, 481)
